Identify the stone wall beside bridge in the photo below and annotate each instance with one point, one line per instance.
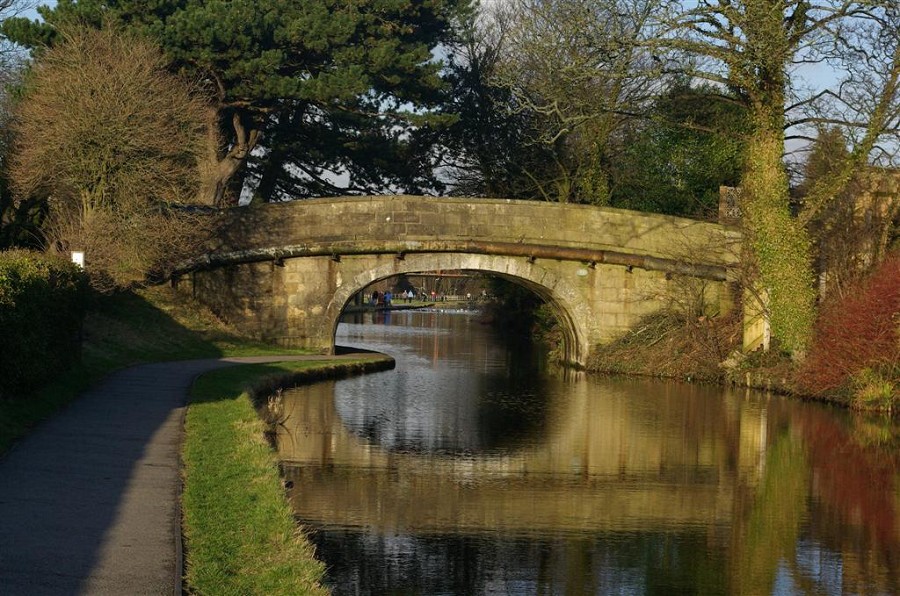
(284, 272)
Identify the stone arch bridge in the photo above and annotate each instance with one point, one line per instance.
(284, 272)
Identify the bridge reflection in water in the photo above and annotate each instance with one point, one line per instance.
(487, 477)
(600, 467)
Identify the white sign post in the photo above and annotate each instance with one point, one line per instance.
(78, 258)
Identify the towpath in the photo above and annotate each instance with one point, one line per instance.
(89, 499)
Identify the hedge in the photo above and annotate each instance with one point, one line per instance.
(42, 304)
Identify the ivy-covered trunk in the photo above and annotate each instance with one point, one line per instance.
(780, 244)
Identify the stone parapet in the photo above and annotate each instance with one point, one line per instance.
(350, 221)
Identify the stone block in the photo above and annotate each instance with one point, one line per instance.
(607, 294)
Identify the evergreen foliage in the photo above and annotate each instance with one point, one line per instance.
(42, 304)
(490, 153)
(577, 70)
(752, 60)
(294, 71)
(674, 161)
(827, 153)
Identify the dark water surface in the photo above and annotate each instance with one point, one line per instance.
(472, 469)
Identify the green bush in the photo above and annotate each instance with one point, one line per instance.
(42, 305)
(876, 388)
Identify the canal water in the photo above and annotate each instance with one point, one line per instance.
(473, 468)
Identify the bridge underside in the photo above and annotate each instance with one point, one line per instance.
(298, 301)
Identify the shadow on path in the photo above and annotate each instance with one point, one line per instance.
(88, 499)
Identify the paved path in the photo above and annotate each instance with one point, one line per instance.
(88, 500)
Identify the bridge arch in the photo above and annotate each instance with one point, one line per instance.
(555, 291)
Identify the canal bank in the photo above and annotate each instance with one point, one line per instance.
(401, 305)
(852, 357)
(708, 350)
(240, 534)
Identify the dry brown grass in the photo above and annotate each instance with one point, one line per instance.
(672, 345)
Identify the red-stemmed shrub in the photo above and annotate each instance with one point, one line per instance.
(856, 331)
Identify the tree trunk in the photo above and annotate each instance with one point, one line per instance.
(219, 167)
(272, 169)
(780, 245)
(214, 179)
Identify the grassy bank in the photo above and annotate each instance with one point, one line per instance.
(240, 534)
(242, 538)
(852, 358)
(708, 350)
(673, 346)
(126, 329)
(696, 349)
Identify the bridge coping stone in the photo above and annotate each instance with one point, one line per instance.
(388, 218)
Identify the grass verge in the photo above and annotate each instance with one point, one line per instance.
(240, 534)
(121, 330)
